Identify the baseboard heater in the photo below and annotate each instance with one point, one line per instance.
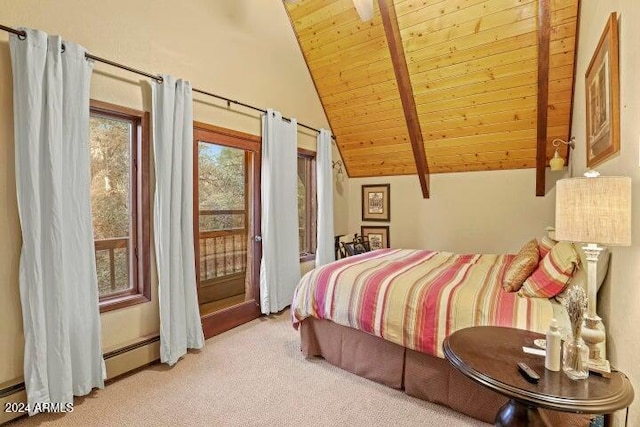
(118, 363)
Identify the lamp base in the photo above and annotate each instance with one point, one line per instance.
(593, 334)
(600, 366)
(593, 331)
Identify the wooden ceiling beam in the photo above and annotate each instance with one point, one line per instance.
(544, 43)
(573, 79)
(394, 40)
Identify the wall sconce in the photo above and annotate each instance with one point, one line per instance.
(337, 164)
(557, 162)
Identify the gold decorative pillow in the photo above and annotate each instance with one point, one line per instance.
(521, 267)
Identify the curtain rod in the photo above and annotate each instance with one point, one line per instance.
(23, 35)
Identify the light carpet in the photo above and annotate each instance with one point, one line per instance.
(253, 375)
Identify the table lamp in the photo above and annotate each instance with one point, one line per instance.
(595, 211)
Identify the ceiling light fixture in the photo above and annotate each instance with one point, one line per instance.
(365, 9)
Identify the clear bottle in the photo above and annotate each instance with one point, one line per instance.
(553, 347)
(575, 359)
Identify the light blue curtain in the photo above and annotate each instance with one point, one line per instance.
(58, 282)
(180, 327)
(325, 252)
(280, 266)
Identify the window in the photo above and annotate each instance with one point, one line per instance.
(307, 203)
(119, 139)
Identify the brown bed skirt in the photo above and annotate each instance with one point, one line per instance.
(420, 375)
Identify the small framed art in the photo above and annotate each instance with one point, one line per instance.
(603, 97)
(376, 205)
(378, 236)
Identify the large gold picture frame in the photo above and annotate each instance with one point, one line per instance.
(602, 94)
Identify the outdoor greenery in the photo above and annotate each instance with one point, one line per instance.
(110, 141)
(110, 182)
(221, 179)
(302, 203)
(221, 187)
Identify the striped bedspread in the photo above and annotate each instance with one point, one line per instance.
(416, 298)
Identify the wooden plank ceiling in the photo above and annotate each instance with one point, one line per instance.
(473, 67)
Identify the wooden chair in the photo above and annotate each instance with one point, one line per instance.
(359, 245)
(340, 252)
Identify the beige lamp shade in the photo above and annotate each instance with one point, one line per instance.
(594, 210)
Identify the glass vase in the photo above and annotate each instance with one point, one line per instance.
(575, 359)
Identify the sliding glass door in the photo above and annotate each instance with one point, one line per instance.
(226, 221)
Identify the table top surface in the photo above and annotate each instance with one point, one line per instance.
(489, 355)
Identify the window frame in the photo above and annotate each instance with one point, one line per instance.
(140, 215)
(311, 219)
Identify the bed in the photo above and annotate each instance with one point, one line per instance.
(384, 314)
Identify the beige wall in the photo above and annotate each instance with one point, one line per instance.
(244, 50)
(341, 197)
(620, 297)
(487, 212)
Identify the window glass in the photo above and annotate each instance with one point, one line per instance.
(302, 203)
(111, 140)
(306, 204)
(221, 187)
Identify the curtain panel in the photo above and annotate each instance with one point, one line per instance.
(180, 326)
(58, 281)
(325, 252)
(279, 266)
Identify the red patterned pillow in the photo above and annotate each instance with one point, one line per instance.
(544, 246)
(553, 273)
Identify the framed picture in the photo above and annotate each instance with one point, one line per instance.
(603, 97)
(375, 202)
(378, 236)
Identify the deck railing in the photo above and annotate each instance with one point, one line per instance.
(114, 268)
(223, 251)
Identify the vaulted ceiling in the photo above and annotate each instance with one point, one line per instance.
(478, 70)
